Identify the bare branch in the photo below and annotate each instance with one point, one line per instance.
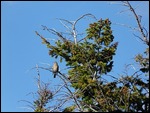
(55, 33)
(72, 94)
(138, 37)
(59, 89)
(59, 105)
(69, 29)
(38, 82)
(128, 26)
(144, 38)
(146, 32)
(49, 69)
(74, 29)
(65, 21)
(83, 17)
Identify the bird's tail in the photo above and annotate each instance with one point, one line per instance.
(55, 75)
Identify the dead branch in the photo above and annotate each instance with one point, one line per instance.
(53, 31)
(138, 20)
(64, 78)
(74, 29)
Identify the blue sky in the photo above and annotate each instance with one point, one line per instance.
(22, 48)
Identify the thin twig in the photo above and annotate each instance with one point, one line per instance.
(53, 31)
(139, 24)
(126, 26)
(39, 82)
(72, 94)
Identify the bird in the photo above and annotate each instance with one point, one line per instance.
(55, 69)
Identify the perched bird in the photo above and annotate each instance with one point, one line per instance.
(55, 68)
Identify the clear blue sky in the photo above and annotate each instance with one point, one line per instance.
(22, 48)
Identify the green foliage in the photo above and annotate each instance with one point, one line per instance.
(91, 59)
(143, 61)
(69, 109)
(93, 55)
